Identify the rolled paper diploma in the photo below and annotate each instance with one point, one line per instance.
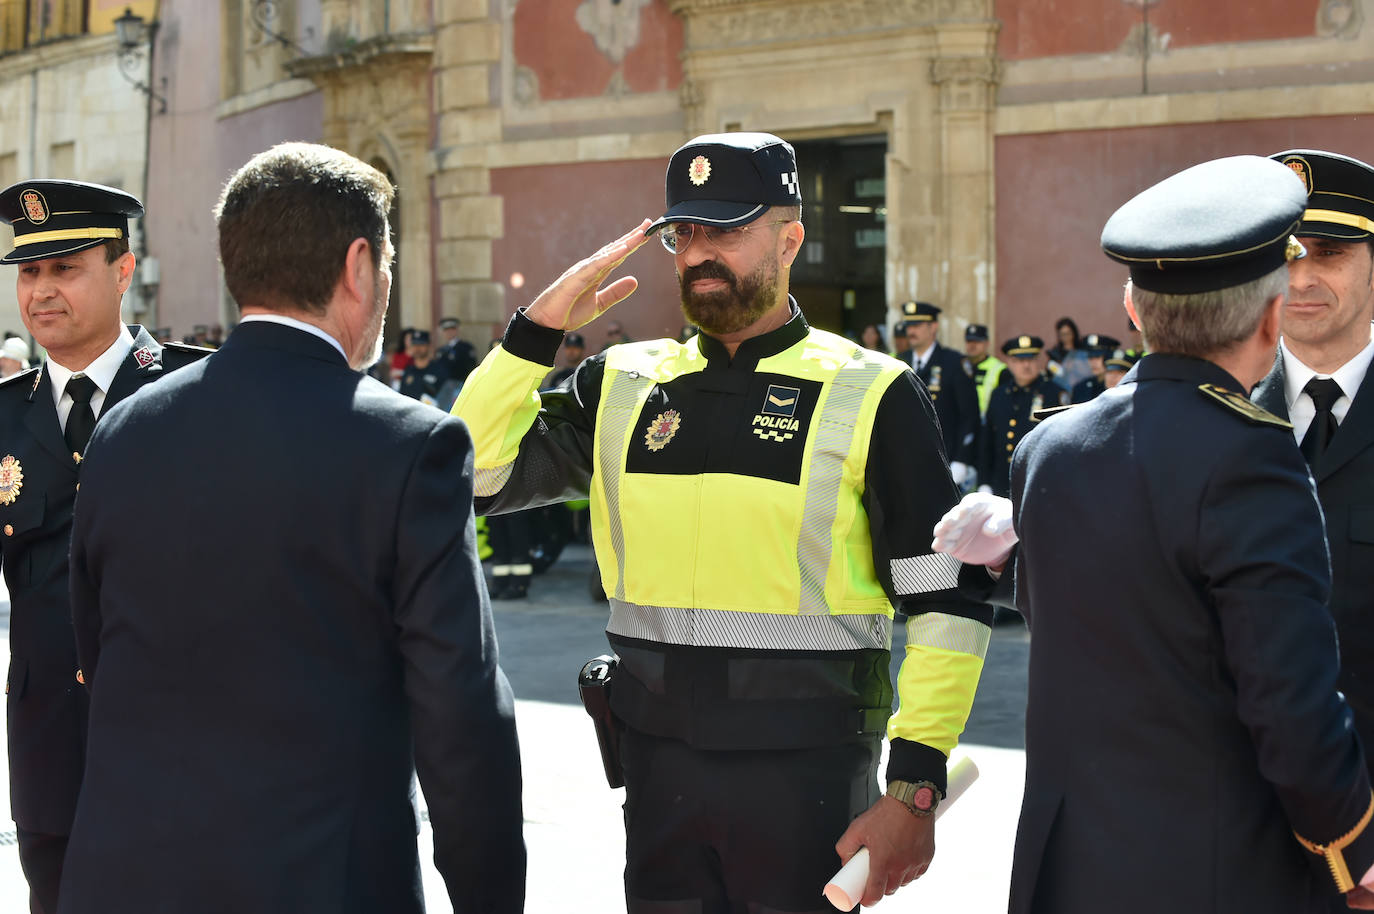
(846, 888)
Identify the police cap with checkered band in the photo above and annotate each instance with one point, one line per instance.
(729, 179)
(52, 218)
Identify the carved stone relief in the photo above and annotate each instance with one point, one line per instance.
(1340, 18)
(729, 23)
(613, 25)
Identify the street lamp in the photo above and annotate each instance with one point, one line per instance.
(133, 32)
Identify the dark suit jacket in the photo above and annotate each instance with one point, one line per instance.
(1183, 720)
(1345, 487)
(311, 608)
(955, 397)
(46, 707)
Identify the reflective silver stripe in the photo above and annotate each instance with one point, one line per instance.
(760, 631)
(924, 574)
(832, 439)
(493, 480)
(950, 633)
(618, 409)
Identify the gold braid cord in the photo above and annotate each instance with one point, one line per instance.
(1332, 851)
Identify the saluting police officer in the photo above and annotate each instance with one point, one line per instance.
(762, 497)
(1187, 748)
(951, 389)
(1024, 390)
(1098, 346)
(423, 378)
(71, 244)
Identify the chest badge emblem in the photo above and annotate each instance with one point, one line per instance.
(662, 430)
(11, 479)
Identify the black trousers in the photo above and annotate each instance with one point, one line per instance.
(738, 832)
(41, 857)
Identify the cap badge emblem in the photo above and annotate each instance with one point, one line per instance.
(699, 170)
(144, 357)
(1294, 250)
(1024, 342)
(11, 479)
(35, 207)
(662, 430)
(1302, 169)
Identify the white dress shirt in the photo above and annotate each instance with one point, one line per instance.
(1301, 409)
(918, 360)
(102, 371)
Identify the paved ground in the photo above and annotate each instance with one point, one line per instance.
(573, 827)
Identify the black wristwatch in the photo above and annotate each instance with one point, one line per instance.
(921, 797)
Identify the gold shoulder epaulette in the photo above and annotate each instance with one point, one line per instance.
(1040, 415)
(1239, 404)
(28, 374)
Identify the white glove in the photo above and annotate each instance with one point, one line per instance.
(977, 531)
(985, 489)
(958, 471)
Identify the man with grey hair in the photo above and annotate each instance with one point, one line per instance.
(253, 745)
(1186, 745)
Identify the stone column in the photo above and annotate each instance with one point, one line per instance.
(966, 71)
(467, 55)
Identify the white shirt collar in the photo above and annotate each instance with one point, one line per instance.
(299, 325)
(921, 357)
(1296, 375)
(102, 371)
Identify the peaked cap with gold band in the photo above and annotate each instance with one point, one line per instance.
(1340, 194)
(729, 179)
(919, 312)
(1023, 347)
(1213, 226)
(51, 218)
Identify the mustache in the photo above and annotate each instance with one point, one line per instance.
(708, 269)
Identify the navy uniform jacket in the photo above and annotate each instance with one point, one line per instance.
(46, 707)
(1087, 388)
(1179, 733)
(458, 358)
(308, 628)
(1008, 421)
(1345, 486)
(955, 398)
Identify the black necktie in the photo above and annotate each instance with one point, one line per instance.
(81, 420)
(1324, 394)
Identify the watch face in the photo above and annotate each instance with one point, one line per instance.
(924, 799)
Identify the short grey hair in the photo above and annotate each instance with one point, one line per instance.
(1203, 324)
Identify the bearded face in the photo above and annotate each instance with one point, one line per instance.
(743, 301)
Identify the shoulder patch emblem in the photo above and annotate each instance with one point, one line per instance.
(1238, 404)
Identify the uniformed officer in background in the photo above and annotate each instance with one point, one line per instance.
(424, 377)
(1187, 748)
(71, 245)
(455, 352)
(1098, 346)
(1115, 366)
(1024, 389)
(950, 387)
(762, 497)
(985, 368)
(1321, 382)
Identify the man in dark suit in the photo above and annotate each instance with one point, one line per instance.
(1187, 748)
(950, 386)
(1321, 382)
(253, 744)
(71, 245)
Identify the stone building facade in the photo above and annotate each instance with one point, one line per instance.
(67, 111)
(964, 152)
